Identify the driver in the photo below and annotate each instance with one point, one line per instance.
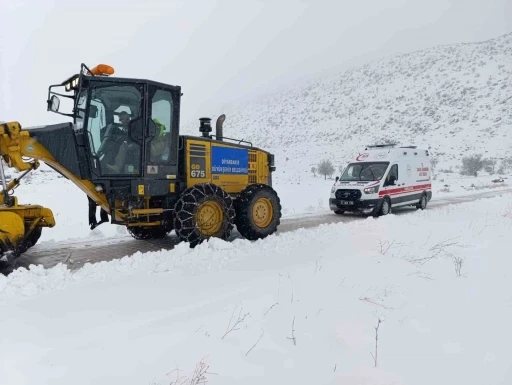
(126, 146)
(124, 118)
(112, 136)
(116, 143)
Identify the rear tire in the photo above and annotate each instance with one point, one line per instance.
(423, 202)
(203, 211)
(149, 232)
(258, 212)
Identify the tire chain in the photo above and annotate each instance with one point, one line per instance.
(147, 233)
(186, 228)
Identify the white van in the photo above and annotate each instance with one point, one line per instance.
(382, 177)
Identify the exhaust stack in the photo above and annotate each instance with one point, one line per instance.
(218, 126)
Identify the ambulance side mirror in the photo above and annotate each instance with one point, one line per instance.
(337, 178)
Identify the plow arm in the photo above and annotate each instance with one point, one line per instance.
(21, 225)
(16, 144)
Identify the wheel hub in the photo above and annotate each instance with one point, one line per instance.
(209, 218)
(262, 212)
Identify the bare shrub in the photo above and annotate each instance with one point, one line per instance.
(253, 346)
(326, 168)
(490, 166)
(237, 322)
(472, 164)
(197, 377)
(505, 165)
(457, 263)
(293, 333)
(437, 250)
(385, 246)
(375, 355)
(433, 164)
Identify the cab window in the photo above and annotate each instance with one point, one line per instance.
(95, 123)
(114, 127)
(161, 120)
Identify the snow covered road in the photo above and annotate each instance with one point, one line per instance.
(76, 253)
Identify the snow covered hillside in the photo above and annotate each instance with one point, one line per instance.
(455, 100)
(297, 308)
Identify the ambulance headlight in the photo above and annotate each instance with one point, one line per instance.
(333, 189)
(371, 190)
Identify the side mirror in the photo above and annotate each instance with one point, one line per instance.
(135, 130)
(54, 103)
(337, 178)
(93, 111)
(151, 128)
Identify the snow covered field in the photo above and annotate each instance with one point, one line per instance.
(308, 303)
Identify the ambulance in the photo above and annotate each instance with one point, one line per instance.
(383, 177)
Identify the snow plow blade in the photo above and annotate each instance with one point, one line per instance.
(21, 227)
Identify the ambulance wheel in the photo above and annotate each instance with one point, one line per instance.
(385, 207)
(339, 212)
(423, 202)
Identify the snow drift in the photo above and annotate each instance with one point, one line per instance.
(300, 308)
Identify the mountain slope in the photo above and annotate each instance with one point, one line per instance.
(454, 99)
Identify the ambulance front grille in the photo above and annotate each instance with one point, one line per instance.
(348, 195)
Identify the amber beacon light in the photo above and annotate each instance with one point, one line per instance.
(102, 70)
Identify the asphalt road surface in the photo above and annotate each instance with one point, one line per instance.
(76, 253)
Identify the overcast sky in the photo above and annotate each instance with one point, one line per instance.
(222, 50)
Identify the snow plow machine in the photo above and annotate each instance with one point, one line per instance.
(123, 149)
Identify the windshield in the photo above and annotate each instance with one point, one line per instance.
(368, 171)
(115, 127)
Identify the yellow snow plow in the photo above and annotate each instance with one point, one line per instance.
(124, 150)
(20, 225)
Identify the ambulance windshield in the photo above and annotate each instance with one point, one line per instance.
(367, 171)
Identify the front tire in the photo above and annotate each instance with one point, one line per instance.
(385, 207)
(203, 211)
(258, 212)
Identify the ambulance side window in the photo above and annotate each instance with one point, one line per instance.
(392, 175)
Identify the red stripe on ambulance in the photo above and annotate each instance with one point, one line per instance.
(403, 190)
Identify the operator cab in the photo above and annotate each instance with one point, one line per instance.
(130, 127)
